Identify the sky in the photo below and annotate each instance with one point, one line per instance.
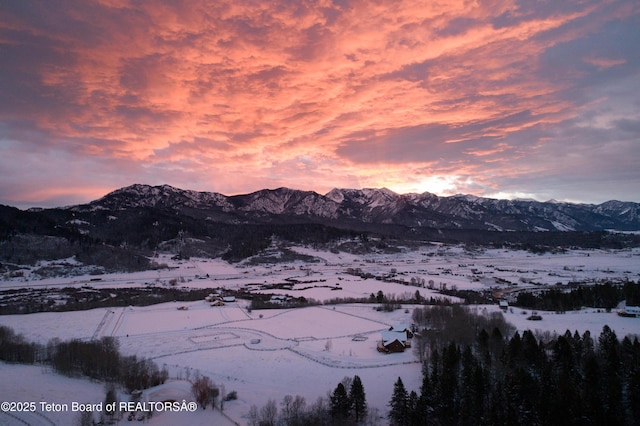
(496, 98)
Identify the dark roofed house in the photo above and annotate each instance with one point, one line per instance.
(393, 341)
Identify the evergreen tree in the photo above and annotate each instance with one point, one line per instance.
(591, 391)
(340, 404)
(398, 415)
(514, 350)
(469, 393)
(496, 343)
(426, 394)
(449, 383)
(413, 413)
(483, 346)
(634, 393)
(358, 399)
(609, 355)
(434, 380)
(531, 351)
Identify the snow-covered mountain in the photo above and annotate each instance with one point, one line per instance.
(373, 206)
(122, 229)
(136, 196)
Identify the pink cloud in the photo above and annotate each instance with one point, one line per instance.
(350, 87)
(604, 63)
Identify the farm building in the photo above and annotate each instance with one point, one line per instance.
(393, 341)
(212, 297)
(403, 328)
(630, 311)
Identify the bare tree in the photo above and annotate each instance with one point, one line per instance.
(111, 397)
(254, 417)
(202, 390)
(269, 413)
(222, 397)
(328, 345)
(292, 410)
(85, 418)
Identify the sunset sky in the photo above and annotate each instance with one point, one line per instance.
(497, 98)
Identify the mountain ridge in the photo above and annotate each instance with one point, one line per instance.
(378, 205)
(124, 229)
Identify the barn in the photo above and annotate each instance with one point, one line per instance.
(393, 341)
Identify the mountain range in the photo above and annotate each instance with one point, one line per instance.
(123, 229)
(373, 206)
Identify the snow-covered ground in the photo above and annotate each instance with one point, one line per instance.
(448, 264)
(266, 354)
(53, 396)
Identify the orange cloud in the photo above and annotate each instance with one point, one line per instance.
(342, 85)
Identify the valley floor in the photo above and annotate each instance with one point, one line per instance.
(267, 354)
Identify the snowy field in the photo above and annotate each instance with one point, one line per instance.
(265, 354)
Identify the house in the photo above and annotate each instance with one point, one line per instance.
(278, 299)
(212, 297)
(393, 341)
(403, 328)
(504, 305)
(630, 311)
(391, 347)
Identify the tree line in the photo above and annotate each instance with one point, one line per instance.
(346, 405)
(97, 359)
(605, 296)
(86, 297)
(483, 377)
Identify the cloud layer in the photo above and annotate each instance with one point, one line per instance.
(495, 98)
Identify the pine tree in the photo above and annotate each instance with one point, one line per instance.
(426, 394)
(449, 386)
(609, 355)
(468, 412)
(398, 415)
(358, 399)
(591, 391)
(413, 413)
(340, 404)
(634, 393)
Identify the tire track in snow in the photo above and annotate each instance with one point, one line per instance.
(352, 365)
(118, 323)
(101, 324)
(355, 316)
